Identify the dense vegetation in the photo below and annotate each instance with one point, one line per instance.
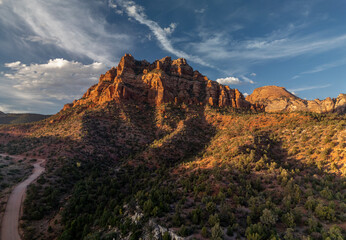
(195, 172)
(12, 172)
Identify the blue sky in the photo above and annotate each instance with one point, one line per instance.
(52, 51)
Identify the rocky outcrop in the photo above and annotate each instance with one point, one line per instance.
(278, 99)
(158, 231)
(162, 81)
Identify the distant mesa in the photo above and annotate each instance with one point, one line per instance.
(162, 81)
(278, 99)
(17, 118)
(268, 93)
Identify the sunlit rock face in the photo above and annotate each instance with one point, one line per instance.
(162, 81)
(278, 99)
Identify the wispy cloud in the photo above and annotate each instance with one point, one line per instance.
(322, 67)
(69, 25)
(266, 49)
(137, 12)
(280, 44)
(246, 79)
(200, 10)
(309, 88)
(42, 40)
(326, 66)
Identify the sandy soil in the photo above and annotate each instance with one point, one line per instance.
(9, 228)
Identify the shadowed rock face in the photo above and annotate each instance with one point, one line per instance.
(162, 81)
(278, 99)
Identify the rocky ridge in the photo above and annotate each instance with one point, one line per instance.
(162, 81)
(174, 81)
(278, 99)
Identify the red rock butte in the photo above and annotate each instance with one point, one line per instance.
(278, 99)
(162, 81)
(269, 93)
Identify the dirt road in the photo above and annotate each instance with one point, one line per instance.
(10, 220)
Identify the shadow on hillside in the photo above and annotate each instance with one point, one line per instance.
(143, 133)
(341, 109)
(119, 130)
(157, 135)
(189, 138)
(267, 145)
(294, 178)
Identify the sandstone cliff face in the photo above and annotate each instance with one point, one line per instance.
(160, 82)
(278, 99)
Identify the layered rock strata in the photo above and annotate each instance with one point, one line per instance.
(162, 81)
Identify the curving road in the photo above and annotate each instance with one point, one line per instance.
(10, 220)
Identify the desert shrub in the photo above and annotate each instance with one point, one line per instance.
(313, 224)
(310, 203)
(216, 232)
(255, 231)
(204, 232)
(166, 236)
(289, 234)
(334, 233)
(325, 212)
(268, 217)
(210, 207)
(214, 219)
(327, 193)
(288, 220)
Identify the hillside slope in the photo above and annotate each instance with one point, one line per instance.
(157, 151)
(195, 172)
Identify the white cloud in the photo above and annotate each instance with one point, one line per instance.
(70, 25)
(245, 94)
(58, 79)
(229, 81)
(169, 30)
(234, 80)
(253, 74)
(13, 65)
(137, 12)
(15, 101)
